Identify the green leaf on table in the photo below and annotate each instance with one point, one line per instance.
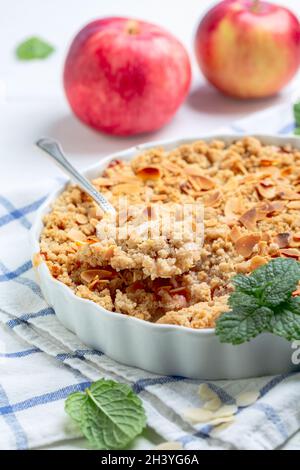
(286, 320)
(109, 414)
(240, 325)
(263, 302)
(296, 109)
(34, 48)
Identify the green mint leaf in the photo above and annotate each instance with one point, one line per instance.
(263, 302)
(109, 414)
(242, 299)
(297, 131)
(296, 109)
(278, 279)
(286, 320)
(34, 48)
(240, 325)
(272, 283)
(244, 283)
(74, 404)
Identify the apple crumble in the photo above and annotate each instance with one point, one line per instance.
(251, 198)
(161, 240)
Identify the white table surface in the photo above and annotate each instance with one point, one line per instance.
(32, 102)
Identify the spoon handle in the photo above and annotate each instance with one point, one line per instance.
(54, 149)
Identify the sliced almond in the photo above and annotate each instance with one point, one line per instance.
(159, 197)
(100, 283)
(171, 167)
(198, 415)
(178, 290)
(91, 274)
(245, 244)
(213, 405)
(200, 183)
(94, 222)
(289, 194)
(267, 209)
(257, 261)
(233, 206)
(225, 411)
(293, 205)
(193, 170)
(212, 199)
(104, 182)
(225, 419)
(88, 241)
(240, 167)
(211, 223)
(295, 240)
(249, 218)
(247, 398)
(78, 243)
(282, 239)
(286, 171)
(149, 173)
(265, 191)
(296, 236)
(243, 267)
(235, 233)
(171, 445)
(268, 162)
(206, 393)
(81, 219)
(290, 253)
(92, 240)
(276, 206)
(126, 188)
(269, 171)
(222, 427)
(76, 235)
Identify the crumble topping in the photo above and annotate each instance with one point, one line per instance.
(251, 198)
(158, 239)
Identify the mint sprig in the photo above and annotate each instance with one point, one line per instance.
(296, 109)
(34, 48)
(263, 302)
(109, 414)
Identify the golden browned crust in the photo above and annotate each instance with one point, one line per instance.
(251, 194)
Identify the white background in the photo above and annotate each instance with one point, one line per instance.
(32, 103)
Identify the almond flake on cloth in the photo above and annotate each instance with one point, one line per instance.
(198, 415)
(222, 420)
(244, 399)
(221, 427)
(213, 405)
(206, 393)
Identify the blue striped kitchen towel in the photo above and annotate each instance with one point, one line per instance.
(41, 362)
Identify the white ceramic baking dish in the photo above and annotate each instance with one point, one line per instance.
(162, 349)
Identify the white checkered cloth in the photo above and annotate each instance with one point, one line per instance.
(41, 362)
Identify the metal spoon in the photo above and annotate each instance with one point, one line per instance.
(54, 149)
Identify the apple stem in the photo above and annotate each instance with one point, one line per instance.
(132, 27)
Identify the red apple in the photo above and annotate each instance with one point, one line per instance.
(248, 48)
(125, 76)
